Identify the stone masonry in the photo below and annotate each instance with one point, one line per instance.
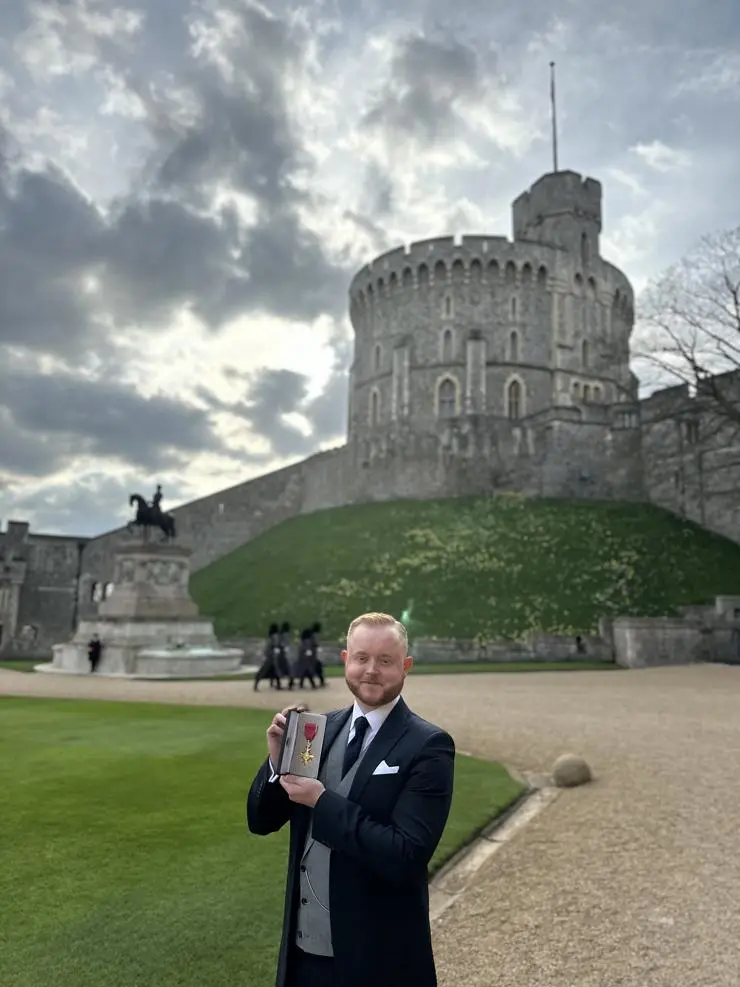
(39, 581)
(692, 455)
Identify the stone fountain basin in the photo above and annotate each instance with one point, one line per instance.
(189, 661)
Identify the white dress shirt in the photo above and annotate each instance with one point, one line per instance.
(375, 717)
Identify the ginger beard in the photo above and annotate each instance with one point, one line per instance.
(375, 665)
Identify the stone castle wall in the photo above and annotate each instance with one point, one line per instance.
(550, 457)
(39, 578)
(692, 455)
(694, 473)
(215, 525)
(608, 453)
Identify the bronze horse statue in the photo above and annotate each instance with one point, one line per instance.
(149, 517)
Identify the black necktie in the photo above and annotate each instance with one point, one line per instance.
(352, 751)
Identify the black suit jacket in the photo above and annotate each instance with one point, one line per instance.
(382, 838)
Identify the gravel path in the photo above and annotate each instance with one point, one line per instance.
(633, 881)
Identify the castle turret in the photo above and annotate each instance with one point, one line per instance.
(562, 209)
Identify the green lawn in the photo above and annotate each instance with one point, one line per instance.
(126, 858)
(498, 567)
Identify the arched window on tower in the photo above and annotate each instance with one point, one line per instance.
(447, 309)
(586, 393)
(585, 250)
(376, 357)
(447, 398)
(585, 355)
(514, 346)
(513, 308)
(374, 407)
(446, 346)
(514, 400)
(576, 391)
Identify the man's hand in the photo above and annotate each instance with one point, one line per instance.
(304, 791)
(276, 729)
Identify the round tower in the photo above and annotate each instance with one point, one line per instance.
(468, 347)
(449, 329)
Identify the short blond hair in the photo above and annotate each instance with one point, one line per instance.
(380, 620)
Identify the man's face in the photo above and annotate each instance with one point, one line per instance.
(375, 665)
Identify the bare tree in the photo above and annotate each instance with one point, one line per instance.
(688, 329)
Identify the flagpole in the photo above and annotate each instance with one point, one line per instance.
(554, 118)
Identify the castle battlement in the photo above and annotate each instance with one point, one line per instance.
(446, 259)
(557, 192)
(563, 209)
(679, 400)
(666, 402)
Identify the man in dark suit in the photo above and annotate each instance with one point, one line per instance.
(362, 834)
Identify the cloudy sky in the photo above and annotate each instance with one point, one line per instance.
(186, 187)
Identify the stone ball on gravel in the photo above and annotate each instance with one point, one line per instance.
(570, 770)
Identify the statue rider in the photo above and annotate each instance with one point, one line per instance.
(157, 500)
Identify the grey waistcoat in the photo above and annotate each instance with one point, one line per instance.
(313, 926)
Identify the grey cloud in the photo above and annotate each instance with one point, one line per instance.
(285, 272)
(375, 238)
(25, 454)
(164, 246)
(429, 79)
(685, 22)
(86, 506)
(241, 136)
(276, 393)
(271, 395)
(328, 411)
(379, 191)
(105, 418)
(162, 255)
(244, 137)
(13, 17)
(50, 236)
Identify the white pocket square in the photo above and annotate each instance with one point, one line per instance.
(386, 769)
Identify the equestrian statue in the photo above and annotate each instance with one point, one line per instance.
(151, 516)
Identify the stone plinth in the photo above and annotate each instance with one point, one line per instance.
(150, 581)
(149, 626)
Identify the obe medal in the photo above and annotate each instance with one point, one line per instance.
(309, 731)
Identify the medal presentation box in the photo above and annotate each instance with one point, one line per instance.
(303, 737)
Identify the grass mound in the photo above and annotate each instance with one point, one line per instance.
(496, 566)
(126, 857)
